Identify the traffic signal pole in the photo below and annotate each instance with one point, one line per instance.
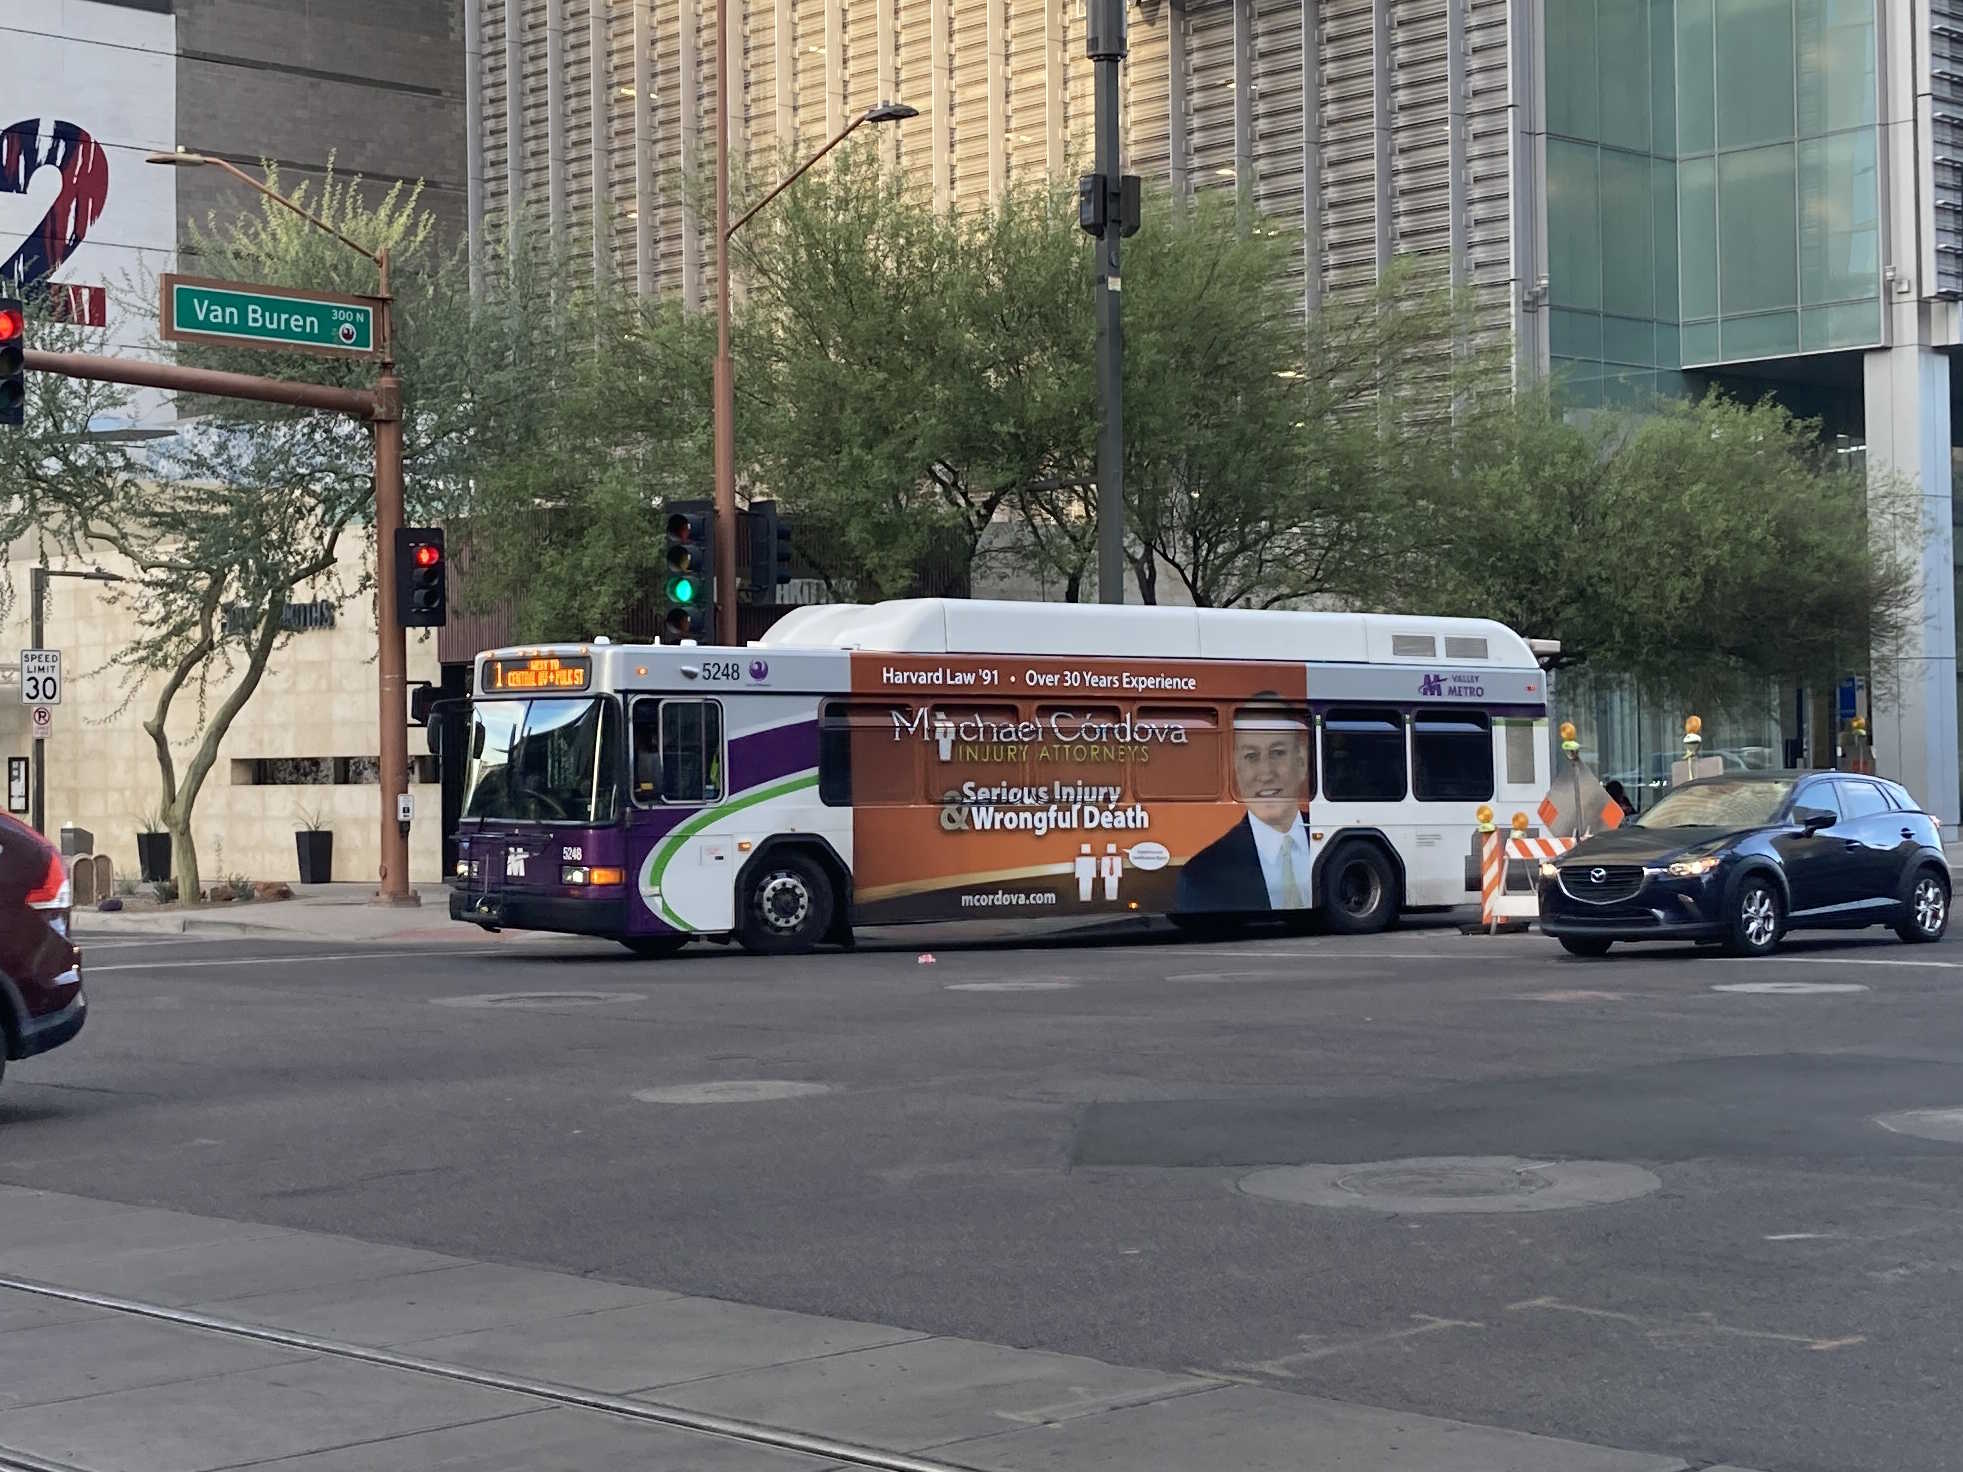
(1105, 43)
(393, 657)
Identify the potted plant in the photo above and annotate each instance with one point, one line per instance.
(152, 846)
(316, 845)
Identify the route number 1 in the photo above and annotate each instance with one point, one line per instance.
(40, 677)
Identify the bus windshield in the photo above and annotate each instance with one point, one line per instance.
(544, 761)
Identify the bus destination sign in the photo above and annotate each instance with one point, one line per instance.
(550, 672)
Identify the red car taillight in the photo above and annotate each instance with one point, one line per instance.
(52, 893)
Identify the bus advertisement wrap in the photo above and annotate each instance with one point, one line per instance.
(1055, 787)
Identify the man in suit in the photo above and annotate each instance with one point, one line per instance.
(1262, 862)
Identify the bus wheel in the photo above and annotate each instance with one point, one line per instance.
(655, 947)
(787, 906)
(1359, 891)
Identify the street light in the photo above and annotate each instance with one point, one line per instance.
(387, 419)
(725, 384)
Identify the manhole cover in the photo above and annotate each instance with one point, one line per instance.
(1790, 988)
(1930, 1124)
(1454, 1183)
(537, 1001)
(1011, 986)
(731, 1091)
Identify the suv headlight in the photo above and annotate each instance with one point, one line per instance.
(1547, 869)
(1691, 868)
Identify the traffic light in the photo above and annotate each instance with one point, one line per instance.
(422, 595)
(770, 551)
(13, 362)
(689, 573)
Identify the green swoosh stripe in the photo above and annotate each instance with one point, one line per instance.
(659, 860)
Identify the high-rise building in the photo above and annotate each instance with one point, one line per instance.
(1646, 195)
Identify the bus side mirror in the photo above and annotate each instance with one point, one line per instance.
(434, 737)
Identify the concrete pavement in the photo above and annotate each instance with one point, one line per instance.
(210, 1344)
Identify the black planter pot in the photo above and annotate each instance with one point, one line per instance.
(153, 856)
(316, 856)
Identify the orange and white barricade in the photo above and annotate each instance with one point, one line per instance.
(1498, 905)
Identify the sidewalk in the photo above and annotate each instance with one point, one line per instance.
(336, 912)
(234, 1345)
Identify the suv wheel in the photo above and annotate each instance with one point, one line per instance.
(1926, 915)
(787, 906)
(1756, 919)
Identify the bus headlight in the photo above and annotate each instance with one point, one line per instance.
(581, 877)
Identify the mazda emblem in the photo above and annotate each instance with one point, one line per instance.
(1598, 876)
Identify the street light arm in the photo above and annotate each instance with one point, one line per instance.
(312, 219)
(798, 173)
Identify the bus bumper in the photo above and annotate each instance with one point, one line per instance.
(566, 916)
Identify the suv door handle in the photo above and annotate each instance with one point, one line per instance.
(1908, 833)
(1854, 844)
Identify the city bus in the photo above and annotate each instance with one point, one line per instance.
(934, 760)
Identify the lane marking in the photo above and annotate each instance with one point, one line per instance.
(1789, 988)
(1702, 1323)
(1862, 961)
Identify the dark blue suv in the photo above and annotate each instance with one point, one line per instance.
(1741, 859)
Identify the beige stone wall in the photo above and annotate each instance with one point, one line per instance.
(318, 699)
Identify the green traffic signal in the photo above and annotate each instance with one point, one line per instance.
(681, 590)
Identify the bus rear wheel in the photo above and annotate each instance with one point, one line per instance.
(1359, 889)
(787, 906)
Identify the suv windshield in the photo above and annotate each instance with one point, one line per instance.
(1718, 804)
(544, 761)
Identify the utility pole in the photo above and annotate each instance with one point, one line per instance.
(1108, 209)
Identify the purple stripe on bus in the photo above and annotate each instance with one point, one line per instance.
(763, 757)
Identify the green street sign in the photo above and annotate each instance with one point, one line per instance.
(236, 314)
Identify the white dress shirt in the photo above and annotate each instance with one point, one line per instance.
(1270, 842)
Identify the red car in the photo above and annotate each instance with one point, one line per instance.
(41, 1003)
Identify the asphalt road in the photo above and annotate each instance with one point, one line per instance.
(1044, 1148)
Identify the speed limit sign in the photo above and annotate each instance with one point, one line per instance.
(40, 677)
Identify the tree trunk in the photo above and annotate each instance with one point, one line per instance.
(183, 859)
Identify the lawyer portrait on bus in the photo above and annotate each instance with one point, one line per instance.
(1262, 862)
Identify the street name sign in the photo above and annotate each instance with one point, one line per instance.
(235, 314)
(40, 677)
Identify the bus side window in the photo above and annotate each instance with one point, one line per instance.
(1181, 771)
(867, 753)
(1451, 756)
(678, 751)
(1521, 738)
(691, 751)
(1363, 755)
(646, 750)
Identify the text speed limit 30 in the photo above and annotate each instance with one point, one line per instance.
(40, 677)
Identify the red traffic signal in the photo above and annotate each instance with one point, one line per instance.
(421, 580)
(13, 363)
(428, 556)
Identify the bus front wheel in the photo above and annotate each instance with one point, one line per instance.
(787, 905)
(1359, 889)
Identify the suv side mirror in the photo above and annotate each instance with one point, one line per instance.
(1814, 819)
